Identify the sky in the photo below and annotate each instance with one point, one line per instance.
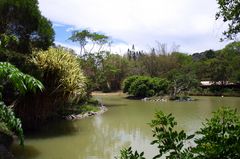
(190, 24)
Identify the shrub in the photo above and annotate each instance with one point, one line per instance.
(218, 139)
(220, 136)
(127, 83)
(64, 83)
(160, 85)
(61, 72)
(144, 86)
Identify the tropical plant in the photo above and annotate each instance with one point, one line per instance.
(61, 73)
(22, 83)
(65, 84)
(9, 123)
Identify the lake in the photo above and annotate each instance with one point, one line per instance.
(123, 125)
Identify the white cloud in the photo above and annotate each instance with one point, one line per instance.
(189, 23)
(114, 48)
(70, 29)
(57, 25)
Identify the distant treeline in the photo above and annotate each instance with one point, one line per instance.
(106, 71)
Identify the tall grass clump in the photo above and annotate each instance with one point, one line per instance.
(64, 82)
(62, 72)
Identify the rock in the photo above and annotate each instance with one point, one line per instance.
(145, 99)
(88, 114)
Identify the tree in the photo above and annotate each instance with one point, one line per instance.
(81, 37)
(99, 39)
(182, 81)
(221, 70)
(23, 20)
(229, 11)
(84, 36)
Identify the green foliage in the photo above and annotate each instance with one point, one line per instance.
(127, 83)
(105, 71)
(80, 37)
(61, 73)
(143, 86)
(229, 13)
(84, 36)
(10, 122)
(7, 41)
(22, 83)
(169, 141)
(22, 20)
(128, 154)
(181, 82)
(219, 138)
(64, 82)
(17, 59)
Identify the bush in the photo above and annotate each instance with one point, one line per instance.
(143, 86)
(160, 86)
(218, 139)
(64, 82)
(127, 83)
(61, 73)
(220, 136)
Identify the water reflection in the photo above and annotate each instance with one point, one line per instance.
(125, 124)
(26, 152)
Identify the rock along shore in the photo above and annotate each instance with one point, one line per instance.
(87, 114)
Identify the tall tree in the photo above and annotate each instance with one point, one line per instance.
(229, 11)
(23, 20)
(81, 37)
(85, 36)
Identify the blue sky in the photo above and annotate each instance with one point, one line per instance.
(188, 23)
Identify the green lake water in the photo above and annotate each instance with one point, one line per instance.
(124, 124)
